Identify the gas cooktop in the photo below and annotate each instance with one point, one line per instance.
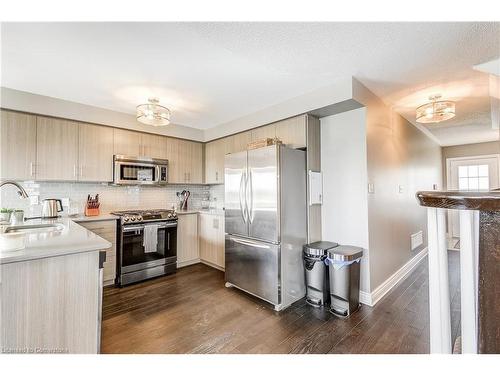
(138, 216)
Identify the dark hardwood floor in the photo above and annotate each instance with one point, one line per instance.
(193, 312)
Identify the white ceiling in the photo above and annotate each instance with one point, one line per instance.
(213, 73)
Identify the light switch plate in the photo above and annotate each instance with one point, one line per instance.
(371, 188)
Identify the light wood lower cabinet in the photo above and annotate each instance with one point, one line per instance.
(211, 229)
(18, 146)
(51, 305)
(56, 149)
(187, 240)
(107, 230)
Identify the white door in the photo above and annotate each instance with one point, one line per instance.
(466, 174)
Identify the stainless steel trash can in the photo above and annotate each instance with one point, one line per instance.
(343, 267)
(317, 285)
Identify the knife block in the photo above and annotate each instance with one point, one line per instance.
(92, 211)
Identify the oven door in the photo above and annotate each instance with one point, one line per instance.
(133, 256)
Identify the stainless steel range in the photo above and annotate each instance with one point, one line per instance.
(147, 245)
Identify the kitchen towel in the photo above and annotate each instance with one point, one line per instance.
(150, 240)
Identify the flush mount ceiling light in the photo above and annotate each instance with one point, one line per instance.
(153, 113)
(435, 111)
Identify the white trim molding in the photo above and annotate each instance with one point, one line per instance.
(372, 298)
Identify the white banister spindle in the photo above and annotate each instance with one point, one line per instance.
(469, 245)
(439, 293)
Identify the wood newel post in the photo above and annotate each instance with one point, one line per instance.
(479, 269)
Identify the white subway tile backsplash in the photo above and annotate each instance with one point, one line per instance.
(111, 197)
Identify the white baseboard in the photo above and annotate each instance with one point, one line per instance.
(188, 262)
(212, 265)
(372, 298)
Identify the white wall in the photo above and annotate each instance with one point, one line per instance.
(344, 166)
(398, 155)
(44, 105)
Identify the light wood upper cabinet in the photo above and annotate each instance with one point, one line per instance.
(211, 235)
(175, 168)
(185, 160)
(154, 146)
(268, 131)
(292, 131)
(214, 161)
(194, 162)
(187, 240)
(18, 146)
(95, 153)
(238, 142)
(127, 142)
(56, 149)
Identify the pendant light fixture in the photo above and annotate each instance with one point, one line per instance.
(436, 110)
(153, 113)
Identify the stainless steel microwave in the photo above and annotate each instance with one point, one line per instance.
(131, 170)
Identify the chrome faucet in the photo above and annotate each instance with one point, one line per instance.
(20, 190)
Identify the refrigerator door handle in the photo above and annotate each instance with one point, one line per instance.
(250, 243)
(250, 189)
(243, 191)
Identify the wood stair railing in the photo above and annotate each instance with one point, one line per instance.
(479, 269)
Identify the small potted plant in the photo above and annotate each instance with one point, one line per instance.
(17, 217)
(5, 214)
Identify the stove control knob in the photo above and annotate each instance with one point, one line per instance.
(139, 218)
(125, 218)
(169, 215)
(132, 218)
(174, 214)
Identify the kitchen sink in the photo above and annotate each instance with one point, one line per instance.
(33, 228)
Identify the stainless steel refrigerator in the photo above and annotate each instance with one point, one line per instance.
(265, 222)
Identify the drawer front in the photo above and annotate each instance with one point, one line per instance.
(107, 230)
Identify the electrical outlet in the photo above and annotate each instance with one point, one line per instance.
(65, 202)
(371, 188)
(417, 239)
(401, 189)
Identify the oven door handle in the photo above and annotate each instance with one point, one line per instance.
(141, 227)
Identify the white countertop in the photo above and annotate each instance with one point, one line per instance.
(71, 238)
(103, 216)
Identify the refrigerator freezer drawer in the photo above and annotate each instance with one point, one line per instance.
(254, 267)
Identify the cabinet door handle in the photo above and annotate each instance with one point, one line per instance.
(216, 176)
(81, 170)
(74, 170)
(32, 169)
